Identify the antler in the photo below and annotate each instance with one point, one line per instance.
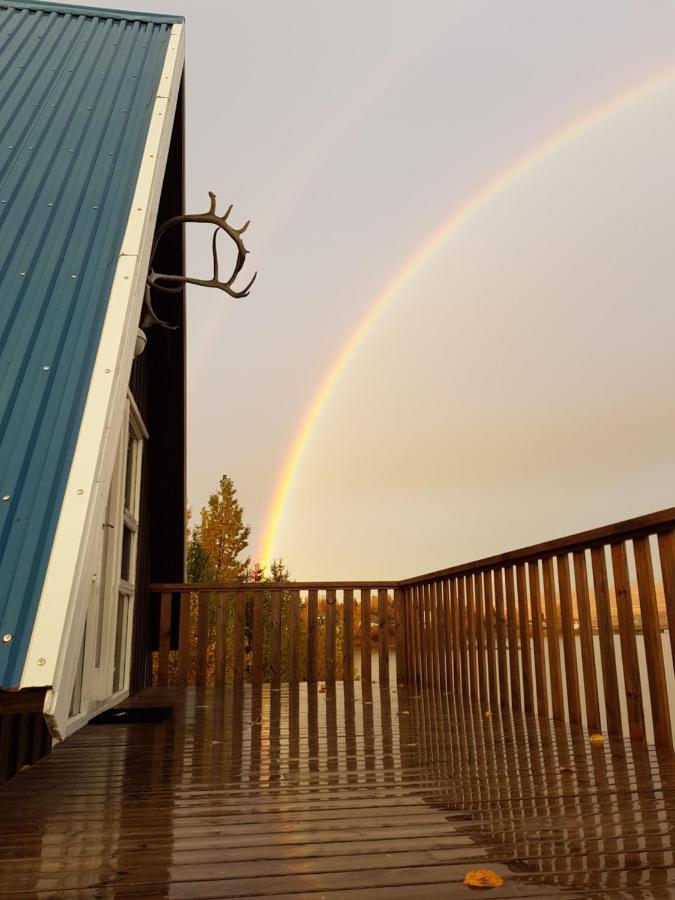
(210, 218)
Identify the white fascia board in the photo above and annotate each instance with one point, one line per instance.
(51, 659)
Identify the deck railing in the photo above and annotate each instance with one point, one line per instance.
(549, 630)
(274, 632)
(528, 630)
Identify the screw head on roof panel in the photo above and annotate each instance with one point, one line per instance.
(45, 368)
(6, 497)
(7, 638)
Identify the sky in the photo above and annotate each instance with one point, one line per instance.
(518, 386)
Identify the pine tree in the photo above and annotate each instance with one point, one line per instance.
(222, 535)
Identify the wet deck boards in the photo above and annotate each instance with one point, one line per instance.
(359, 792)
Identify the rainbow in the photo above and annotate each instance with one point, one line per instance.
(459, 217)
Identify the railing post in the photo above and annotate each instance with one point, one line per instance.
(164, 640)
(383, 634)
(651, 632)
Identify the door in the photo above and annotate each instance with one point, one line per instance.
(104, 667)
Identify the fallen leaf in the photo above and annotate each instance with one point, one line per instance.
(488, 714)
(483, 878)
(596, 739)
(403, 712)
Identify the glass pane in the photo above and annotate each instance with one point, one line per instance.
(130, 475)
(76, 700)
(100, 582)
(127, 544)
(121, 641)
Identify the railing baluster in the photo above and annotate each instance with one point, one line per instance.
(524, 634)
(512, 631)
(651, 632)
(202, 637)
(490, 639)
(383, 635)
(348, 634)
(586, 637)
(238, 638)
(275, 654)
(553, 639)
(442, 638)
(312, 623)
(500, 622)
(366, 674)
(606, 640)
(258, 639)
(569, 640)
(184, 642)
(667, 558)
(447, 615)
(412, 602)
(293, 619)
(480, 637)
(462, 638)
(454, 628)
(433, 634)
(164, 641)
(471, 637)
(221, 624)
(538, 639)
(629, 654)
(330, 635)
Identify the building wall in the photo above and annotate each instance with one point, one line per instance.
(158, 386)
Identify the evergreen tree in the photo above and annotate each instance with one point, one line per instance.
(222, 535)
(198, 563)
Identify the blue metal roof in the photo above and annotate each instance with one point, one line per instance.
(77, 87)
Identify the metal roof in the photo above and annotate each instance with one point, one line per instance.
(77, 87)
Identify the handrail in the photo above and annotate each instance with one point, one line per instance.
(654, 523)
(248, 586)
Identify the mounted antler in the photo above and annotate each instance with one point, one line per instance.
(210, 218)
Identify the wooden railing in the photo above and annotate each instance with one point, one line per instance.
(549, 630)
(274, 632)
(493, 630)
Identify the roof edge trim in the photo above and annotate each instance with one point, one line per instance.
(91, 11)
(63, 602)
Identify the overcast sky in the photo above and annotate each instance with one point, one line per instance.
(522, 384)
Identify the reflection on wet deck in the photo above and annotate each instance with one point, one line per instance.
(360, 791)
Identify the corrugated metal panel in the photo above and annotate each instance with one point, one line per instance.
(76, 93)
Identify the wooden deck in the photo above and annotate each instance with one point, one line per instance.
(358, 792)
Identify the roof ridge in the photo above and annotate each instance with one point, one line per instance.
(91, 11)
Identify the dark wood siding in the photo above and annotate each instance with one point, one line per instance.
(24, 736)
(158, 385)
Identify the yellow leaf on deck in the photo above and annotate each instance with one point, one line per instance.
(483, 878)
(597, 739)
(488, 714)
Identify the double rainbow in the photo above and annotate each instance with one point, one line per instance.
(504, 180)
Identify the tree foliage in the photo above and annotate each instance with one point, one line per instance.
(220, 538)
